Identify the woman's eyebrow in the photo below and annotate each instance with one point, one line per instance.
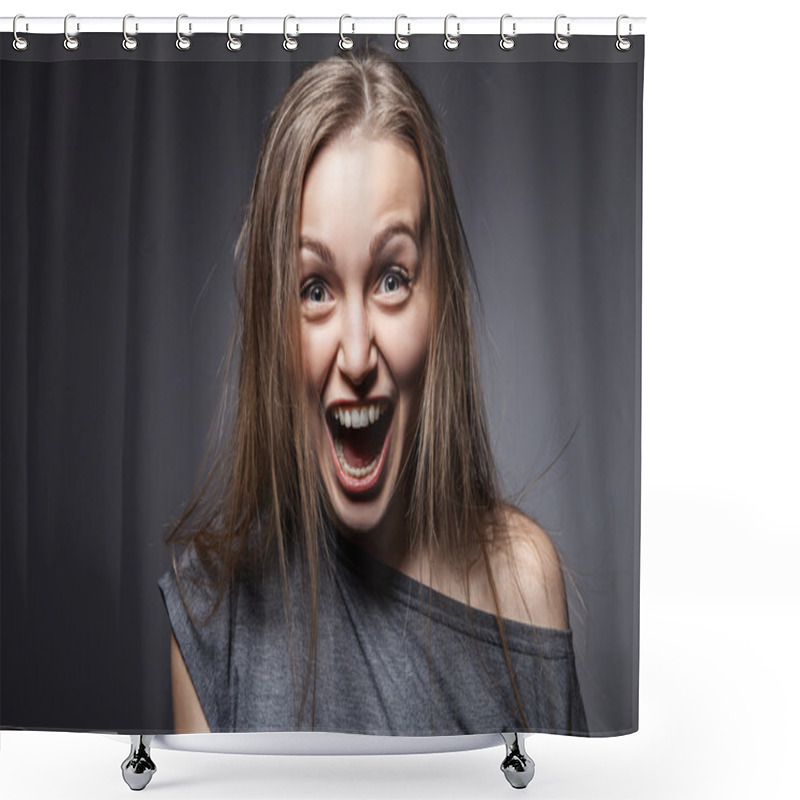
(380, 240)
(320, 249)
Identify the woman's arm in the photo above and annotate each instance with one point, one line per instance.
(187, 712)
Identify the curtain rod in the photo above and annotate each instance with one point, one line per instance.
(407, 26)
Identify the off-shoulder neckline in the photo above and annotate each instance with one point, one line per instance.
(482, 625)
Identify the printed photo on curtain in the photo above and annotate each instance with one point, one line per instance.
(320, 385)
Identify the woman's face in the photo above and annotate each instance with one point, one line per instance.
(365, 289)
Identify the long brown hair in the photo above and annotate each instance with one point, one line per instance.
(262, 497)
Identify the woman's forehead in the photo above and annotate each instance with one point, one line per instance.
(358, 184)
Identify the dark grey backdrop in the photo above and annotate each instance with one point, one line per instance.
(123, 178)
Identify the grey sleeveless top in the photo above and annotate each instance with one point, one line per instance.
(393, 657)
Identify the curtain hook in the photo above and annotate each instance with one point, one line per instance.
(400, 42)
(561, 43)
(233, 44)
(507, 42)
(182, 43)
(70, 42)
(288, 42)
(451, 42)
(345, 42)
(19, 43)
(622, 43)
(129, 42)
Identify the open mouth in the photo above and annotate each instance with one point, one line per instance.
(359, 434)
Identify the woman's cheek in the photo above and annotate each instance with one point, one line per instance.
(318, 352)
(408, 344)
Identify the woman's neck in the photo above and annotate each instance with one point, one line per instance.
(389, 541)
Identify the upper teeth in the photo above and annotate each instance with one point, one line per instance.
(359, 416)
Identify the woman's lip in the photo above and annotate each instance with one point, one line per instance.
(350, 483)
(348, 404)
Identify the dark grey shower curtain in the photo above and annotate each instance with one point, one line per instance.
(123, 180)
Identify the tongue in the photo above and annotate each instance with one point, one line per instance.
(363, 445)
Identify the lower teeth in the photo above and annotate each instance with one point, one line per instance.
(355, 472)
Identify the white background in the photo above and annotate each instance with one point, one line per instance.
(720, 604)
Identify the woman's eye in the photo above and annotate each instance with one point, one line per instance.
(393, 281)
(314, 293)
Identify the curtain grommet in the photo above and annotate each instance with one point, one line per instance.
(560, 43)
(129, 42)
(20, 43)
(289, 43)
(345, 42)
(451, 42)
(182, 42)
(507, 42)
(401, 42)
(234, 44)
(623, 44)
(71, 43)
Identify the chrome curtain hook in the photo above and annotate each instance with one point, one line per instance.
(182, 43)
(129, 42)
(234, 44)
(622, 43)
(19, 42)
(345, 42)
(451, 42)
(288, 42)
(561, 43)
(400, 42)
(70, 42)
(507, 42)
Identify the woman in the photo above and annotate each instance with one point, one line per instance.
(348, 564)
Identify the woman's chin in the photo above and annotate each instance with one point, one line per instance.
(357, 516)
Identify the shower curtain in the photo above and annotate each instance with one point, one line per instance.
(125, 179)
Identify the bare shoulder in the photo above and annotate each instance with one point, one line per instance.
(526, 570)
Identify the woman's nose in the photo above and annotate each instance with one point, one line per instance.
(358, 356)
